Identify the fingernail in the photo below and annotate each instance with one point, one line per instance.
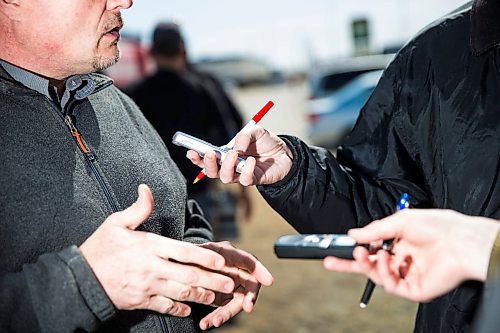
(249, 307)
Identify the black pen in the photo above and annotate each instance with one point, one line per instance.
(404, 202)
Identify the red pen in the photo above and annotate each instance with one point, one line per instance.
(255, 119)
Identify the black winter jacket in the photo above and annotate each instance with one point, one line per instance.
(431, 129)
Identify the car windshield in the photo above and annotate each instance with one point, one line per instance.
(330, 83)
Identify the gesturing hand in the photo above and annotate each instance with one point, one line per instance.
(248, 274)
(140, 270)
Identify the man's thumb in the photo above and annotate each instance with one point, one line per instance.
(139, 211)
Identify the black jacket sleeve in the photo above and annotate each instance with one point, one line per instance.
(377, 163)
(197, 229)
(57, 293)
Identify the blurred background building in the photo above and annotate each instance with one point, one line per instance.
(327, 42)
(289, 35)
(319, 61)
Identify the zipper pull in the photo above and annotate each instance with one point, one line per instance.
(77, 136)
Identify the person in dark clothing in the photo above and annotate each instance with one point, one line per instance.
(430, 128)
(80, 250)
(177, 97)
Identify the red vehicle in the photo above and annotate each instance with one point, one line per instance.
(134, 62)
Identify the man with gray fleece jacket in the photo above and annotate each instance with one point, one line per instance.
(79, 251)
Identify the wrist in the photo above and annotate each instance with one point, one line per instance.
(291, 157)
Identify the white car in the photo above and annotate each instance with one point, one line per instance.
(332, 117)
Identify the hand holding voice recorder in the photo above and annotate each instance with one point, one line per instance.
(315, 246)
(201, 147)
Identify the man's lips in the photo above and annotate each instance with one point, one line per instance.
(113, 33)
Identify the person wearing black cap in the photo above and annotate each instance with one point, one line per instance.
(177, 97)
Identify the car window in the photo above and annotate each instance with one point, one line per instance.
(327, 78)
(358, 100)
(330, 83)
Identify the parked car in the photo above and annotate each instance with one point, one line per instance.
(333, 115)
(328, 77)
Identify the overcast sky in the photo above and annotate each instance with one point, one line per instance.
(286, 33)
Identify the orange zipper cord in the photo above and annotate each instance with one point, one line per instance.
(76, 134)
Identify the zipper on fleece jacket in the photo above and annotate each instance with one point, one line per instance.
(163, 324)
(90, 158)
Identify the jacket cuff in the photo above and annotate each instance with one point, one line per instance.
(90, 288)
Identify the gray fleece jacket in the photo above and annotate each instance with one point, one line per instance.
(53, 197)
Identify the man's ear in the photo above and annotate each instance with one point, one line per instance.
(15, 3)
(9, 7)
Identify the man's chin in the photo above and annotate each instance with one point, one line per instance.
(100, 62)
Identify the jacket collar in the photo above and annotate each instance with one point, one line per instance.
(485, 25)
(15, 80)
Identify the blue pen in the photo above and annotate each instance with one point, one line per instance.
(403, 202)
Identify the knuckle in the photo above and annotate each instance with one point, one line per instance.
(226, 243)
(191, 277)
(136, 302)
(179, 310)
(205, 296)
(167, 307)
(144, 288)
(185, 293)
